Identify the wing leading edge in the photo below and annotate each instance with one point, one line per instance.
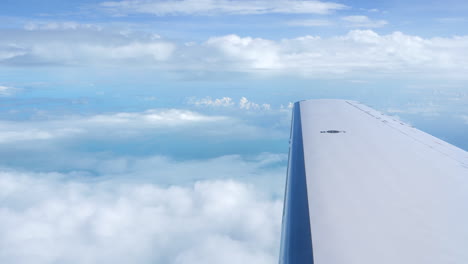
(364, 188)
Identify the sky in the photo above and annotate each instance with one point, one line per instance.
(147, 131)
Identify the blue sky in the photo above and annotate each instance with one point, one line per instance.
(157, 131)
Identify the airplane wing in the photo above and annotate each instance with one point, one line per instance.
(365, 188)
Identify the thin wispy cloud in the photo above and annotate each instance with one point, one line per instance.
(71, 43)
(465, 118)
(220, 7)
(66, 25)
(113, 125)
(451, 20)
(310, 23)
(363, 22)
(6, 90)
(80, 143)
(10, 50)
(428, 111)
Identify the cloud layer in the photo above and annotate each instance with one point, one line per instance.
(123, 124)
(219, 7)
(363, 22)
(244, 103)
(51, 218)
(70, 43)
(128, 143)
(359, 52)
(6, 90)
(65, 202)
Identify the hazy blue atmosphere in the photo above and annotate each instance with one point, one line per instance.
(147, 131)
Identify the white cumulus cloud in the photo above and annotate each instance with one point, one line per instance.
(358, 52)
(244, 103)
(259, 53)
(207, 101)
(51, 218)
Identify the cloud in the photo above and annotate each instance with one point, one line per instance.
(310, 23)
(220, 7)
(70, 43)
(363, 22)
(78, 53)
(355, 54)
(287, 108)
(71, 203)
(32, 134)
(434, 107)
(136, 209)
(51, 218)
(256, 170)
(451, 20)
(6, 90)
(123, 124)
(349, 21)
(60, 25)
(244, 103)
(121, 143)
(170, 117)
(465, 118)
(427, 111)
(207, 101)
(9, 50)
(259, 53)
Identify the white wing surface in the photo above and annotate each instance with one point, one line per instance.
(364, 188)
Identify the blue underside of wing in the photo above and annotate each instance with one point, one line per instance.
(296, 242)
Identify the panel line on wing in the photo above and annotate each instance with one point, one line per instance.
(433, 147)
